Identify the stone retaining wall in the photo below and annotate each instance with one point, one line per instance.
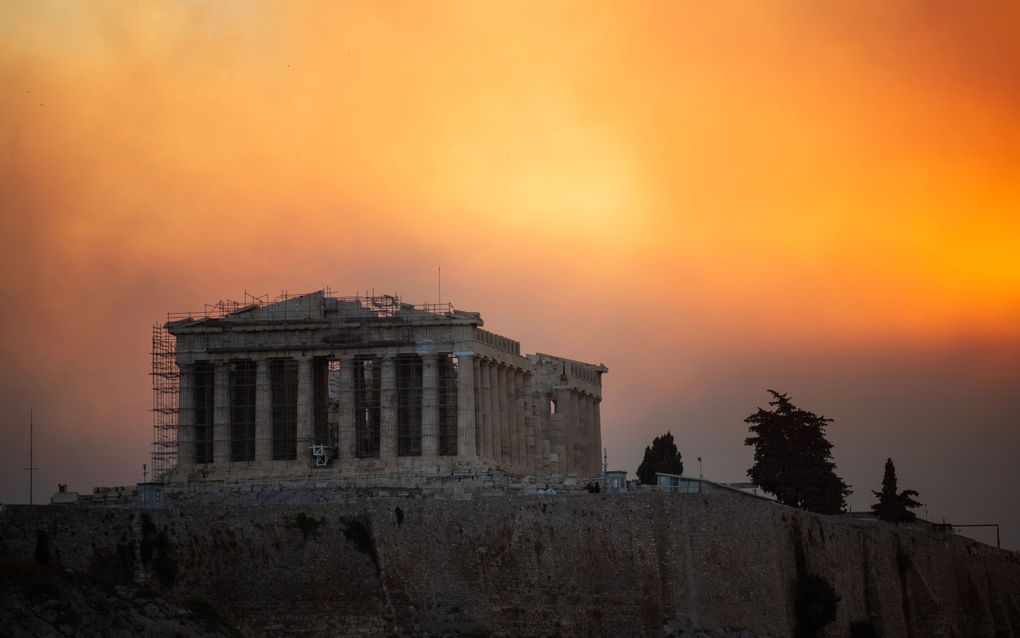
(581, 565)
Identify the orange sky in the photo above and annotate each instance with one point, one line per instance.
(711, 198)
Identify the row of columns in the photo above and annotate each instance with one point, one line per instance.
(498, 416)
(504, 419)
(345, 414)
(577, 433)
(517, 429)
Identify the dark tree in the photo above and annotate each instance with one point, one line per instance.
(661, 457)
(792, 458)
(894, 506)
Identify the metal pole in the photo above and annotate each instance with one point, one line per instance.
(701, 474)
(31, 465)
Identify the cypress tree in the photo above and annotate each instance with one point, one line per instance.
(663, 456)
(893, 506)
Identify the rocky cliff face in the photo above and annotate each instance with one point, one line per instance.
(43, 602)
(594, 565)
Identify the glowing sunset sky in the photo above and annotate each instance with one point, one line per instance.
(711, 198)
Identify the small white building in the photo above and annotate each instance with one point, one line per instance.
(63, 496)
(614, 481)
(690, 485)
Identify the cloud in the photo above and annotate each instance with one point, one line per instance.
(710, 201)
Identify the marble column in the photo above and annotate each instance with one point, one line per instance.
(466, 430)
(559, 435)
(587, 464)
(429, 406)
(305, 409)
(221, 413)
(508, 418)
(345, 407)
(481, 407)
(520, 443)
(497, 414)
(503, 449)
(592, 452)
(495, 442)
(479, 402)
(576, 434)
(388, 409)
(186, 417)
(578, 420)
(531, 454)
(511, 416)
(487, 409)
(263, 412)
(510, 452)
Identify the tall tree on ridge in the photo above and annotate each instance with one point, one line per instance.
(663, 456)
(793, 459)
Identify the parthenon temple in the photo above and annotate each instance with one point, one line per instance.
(320, 385)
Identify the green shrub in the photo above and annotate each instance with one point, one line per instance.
(815, 603)
(308, 524)
(360, 534)
(157, 551)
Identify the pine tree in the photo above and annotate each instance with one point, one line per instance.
(894, 506)
(792, 458)
(663, 456)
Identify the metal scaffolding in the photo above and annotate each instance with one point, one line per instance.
(165, 406)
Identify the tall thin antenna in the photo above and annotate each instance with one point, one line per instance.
(31, 466)
(440, 299)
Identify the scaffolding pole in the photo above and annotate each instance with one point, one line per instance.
(165, 406)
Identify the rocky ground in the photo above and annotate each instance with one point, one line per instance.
(41, 601)
(687, 629)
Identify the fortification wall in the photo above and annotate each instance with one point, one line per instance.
(582, 565)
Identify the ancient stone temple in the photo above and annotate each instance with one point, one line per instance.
(318, 385)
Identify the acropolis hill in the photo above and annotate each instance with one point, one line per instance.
(635, 564)
(361, 467)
